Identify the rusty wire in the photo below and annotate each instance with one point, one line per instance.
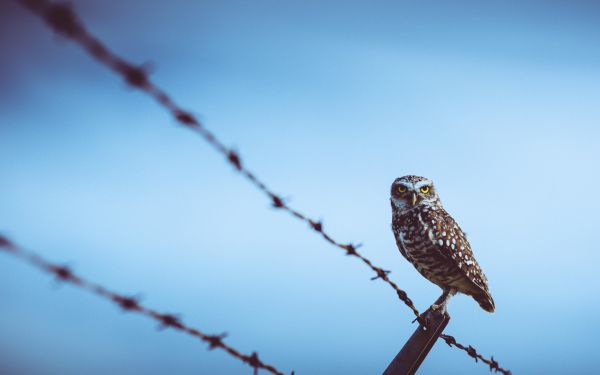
(63, 20)
(131, 304)
(451, 341)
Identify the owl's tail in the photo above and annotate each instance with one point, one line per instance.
(485, 300)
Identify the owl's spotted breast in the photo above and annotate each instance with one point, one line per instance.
(415, 235)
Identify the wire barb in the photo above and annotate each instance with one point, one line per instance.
(63, 20)
(215, 341)
(66, 275)
(5, 244)
(126, 303)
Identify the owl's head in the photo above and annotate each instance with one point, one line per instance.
(412, 191)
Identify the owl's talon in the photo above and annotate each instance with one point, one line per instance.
(441, 308)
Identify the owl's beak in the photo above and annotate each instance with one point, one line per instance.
(414, 199)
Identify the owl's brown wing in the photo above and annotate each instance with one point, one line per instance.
(402, 249)
(451, 241)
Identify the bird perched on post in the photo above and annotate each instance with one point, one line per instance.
(429, 238)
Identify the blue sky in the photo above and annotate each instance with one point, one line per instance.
(329, 102)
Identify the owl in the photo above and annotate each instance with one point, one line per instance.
(429, 238)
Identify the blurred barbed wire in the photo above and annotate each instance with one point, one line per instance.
(63, 20)
(131, 304)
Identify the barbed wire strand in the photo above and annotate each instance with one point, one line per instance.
(131, 304)
(451, 341)
(63, 20)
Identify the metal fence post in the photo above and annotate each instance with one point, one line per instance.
(410, 357)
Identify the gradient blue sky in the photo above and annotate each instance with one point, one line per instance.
(496, 101)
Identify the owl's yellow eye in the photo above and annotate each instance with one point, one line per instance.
(402, 189)
(424, 189)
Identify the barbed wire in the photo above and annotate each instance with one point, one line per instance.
(63, 20)
(131, 304)
(451, 341)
